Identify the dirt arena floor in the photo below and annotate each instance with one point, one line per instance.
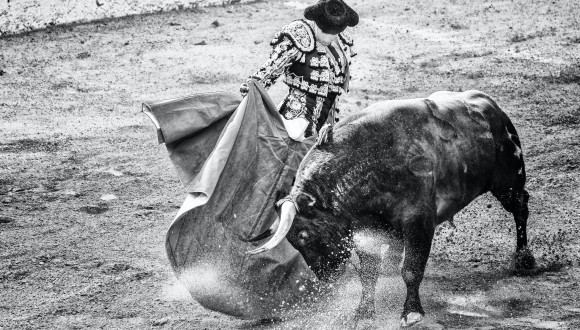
(86, 193)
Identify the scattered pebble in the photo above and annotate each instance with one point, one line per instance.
(93, 264)
(257, 42)
(108, 197)
(140, 275)
(215, 23)
(201, 43)
(6, 220)
(160, 322)
(7, 200)
(115, 268)
(114, 172)
(94, 209)
(39, 189)
(2, 72)
(83, 55)
(69, 192)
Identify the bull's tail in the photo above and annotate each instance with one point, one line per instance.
(509, 178)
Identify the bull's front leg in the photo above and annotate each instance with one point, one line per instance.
(368, 273)
(417, 242)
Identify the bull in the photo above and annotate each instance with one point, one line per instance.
(401, 168)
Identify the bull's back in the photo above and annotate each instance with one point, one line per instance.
(445, 139)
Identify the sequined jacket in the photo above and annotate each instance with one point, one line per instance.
(316, 75)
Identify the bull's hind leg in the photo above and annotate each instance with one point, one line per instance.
(508, 188)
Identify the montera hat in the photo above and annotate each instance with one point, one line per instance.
(331, 16)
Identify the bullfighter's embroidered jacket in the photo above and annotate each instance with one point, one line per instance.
(316, 74)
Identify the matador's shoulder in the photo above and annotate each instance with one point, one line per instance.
(346, 43)
(346, 38)
(300, 34)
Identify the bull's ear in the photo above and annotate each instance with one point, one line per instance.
(421, 165)
(325, 135)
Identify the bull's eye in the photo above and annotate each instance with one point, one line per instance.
(303, 237)
(305, 202)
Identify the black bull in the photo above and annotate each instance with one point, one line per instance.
(402, 168)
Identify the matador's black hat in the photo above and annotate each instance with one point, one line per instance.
(331, 16)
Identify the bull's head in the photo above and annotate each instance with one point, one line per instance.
(311, 221)
(323, 242)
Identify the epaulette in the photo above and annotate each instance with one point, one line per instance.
(346, 38)
(300, 33)
(346, 43)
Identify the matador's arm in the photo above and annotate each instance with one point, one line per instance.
(288, 46)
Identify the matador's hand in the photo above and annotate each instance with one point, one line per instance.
(244, 89)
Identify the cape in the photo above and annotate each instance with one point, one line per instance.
(235, 161)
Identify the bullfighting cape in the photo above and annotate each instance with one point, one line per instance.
(235, 160)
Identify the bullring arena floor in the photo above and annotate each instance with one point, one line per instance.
(86, 194)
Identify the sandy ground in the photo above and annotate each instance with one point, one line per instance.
(86, 194)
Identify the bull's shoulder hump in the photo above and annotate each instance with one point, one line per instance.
(391, 106)
(480, 100)
(387, 114)
(402, 110)
(470, 94)
(473, 97)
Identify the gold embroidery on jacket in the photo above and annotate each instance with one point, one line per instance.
(324, 73)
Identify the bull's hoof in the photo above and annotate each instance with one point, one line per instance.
(411, 319)
(524, 260)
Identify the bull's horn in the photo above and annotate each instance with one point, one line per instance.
(267, 233)
(287, 215)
